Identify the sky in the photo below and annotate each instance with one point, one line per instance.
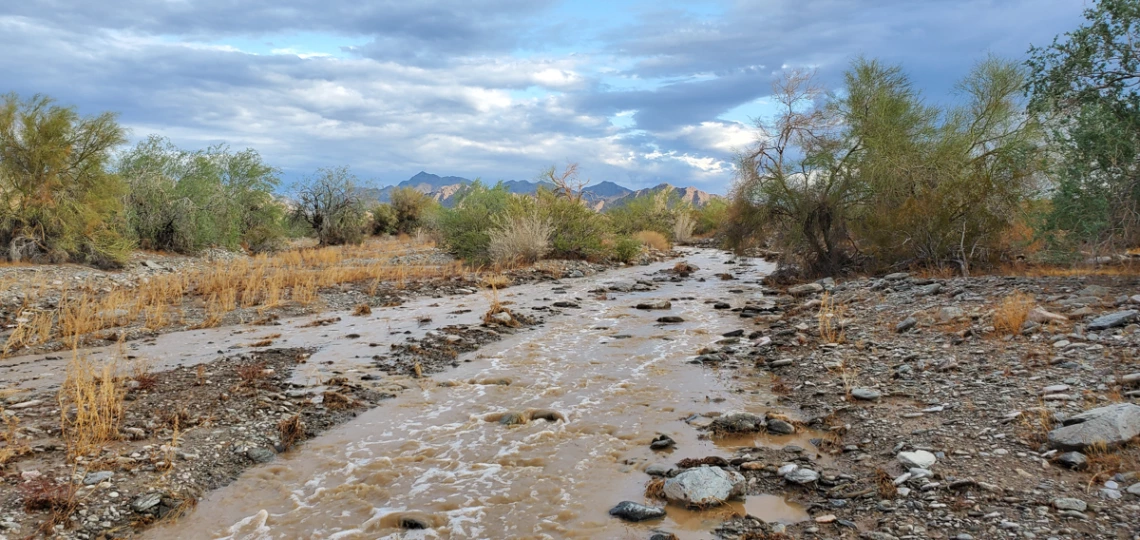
(636, 92)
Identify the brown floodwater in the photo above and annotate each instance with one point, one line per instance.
(435, 462)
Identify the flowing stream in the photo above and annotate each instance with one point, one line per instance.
(435, 463)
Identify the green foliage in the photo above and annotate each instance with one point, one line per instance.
(711, 217)
(1086, 85)
(626, 249)
(56, 194)
(328, 203)
(185, 201)
(384, 220)
(656, 211)
(880, 178)
(411, 207)
(579, 232)
(465, 227)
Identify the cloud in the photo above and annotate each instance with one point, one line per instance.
(494, 88)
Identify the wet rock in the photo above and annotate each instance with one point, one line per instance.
(665, 304)
(1111, 425)
(737, 423)
(565, 304)
(918, 459)
(662, 442)
(658, 469)
(1068, 503)
(631, 511)
(805, 289)
(502, 317)
(704, 486)
(1113, 320)
(97, 477)
(512, 419)
(866, 394)
(780, 427)
(802, 476)
(670, 320)
(659, 535)
(260, 455)
(906, 324)
(146, 502)
(733, 333)
(721, 305)
(1073, 460)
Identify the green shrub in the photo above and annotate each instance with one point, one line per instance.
(384, 220)
(626, 249)
(655, 211)
(711, 217)
(185, 201)
(410, 207)
(57, 198)
(464, 228)
(579, 233)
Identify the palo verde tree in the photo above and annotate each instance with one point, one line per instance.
(877, 177)
(1086, 85)
(185, 201)
(57, 198)
(330, 206)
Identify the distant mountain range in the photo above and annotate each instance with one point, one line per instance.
(599, 196)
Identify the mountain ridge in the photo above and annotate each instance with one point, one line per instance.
(598, 196)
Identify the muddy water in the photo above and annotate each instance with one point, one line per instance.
(436, 458)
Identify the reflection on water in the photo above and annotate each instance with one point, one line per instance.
(537, 437)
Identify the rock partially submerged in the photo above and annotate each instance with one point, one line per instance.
(1111, 426)
(737, 423)
(704, 486)
(631, 511)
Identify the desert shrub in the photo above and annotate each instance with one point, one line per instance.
(410, 207)
(384, 220)
(655, 211)
(57, 198)
(185, 201)
(878, 178)
(711, 217)
(579, 232)
(1084, 86)
(465, 228)
(653, 239)
(626, 249)
(521, 238)
(328, 204)
(683, 225)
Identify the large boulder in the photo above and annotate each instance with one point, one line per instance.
(1113, 320)
(704, 486)
(1111, 426)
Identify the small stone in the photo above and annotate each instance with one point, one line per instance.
(631, 511)
(919, 459)
(802, 476)
(26, 404)
(780, 427)
(829, 518)
(1073, 460)
(97, 477)
(866, 394)
(1068, 503)
(260, 455)
(1134, 489)
(907, 324)
(146, 502)
(670, 320)
(805, 289)
(662, 442)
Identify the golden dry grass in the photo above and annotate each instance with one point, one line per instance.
(1011, 313)
(654, 240)
(90, 404)
(262, 282)
(830, 318)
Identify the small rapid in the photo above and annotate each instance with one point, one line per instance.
(597, 384)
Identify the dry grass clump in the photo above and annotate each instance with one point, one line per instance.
(90, 404)
(831, 319)
(291, 430)
(496, 308)
(251, 375)
(12, 446)
(362, 310)
(43, 493)
(335, 401)
(524, 239)
(1012, 312)
(885, 485)
(655, 489)
(495, 281)
(654, 240)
